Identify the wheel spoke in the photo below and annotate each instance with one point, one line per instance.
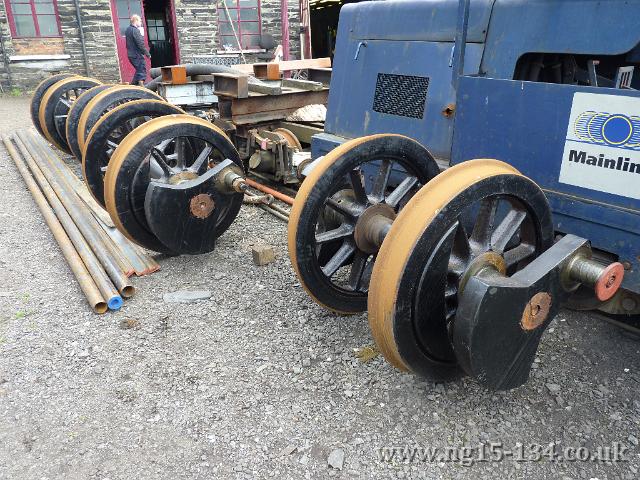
(338, 259)
(164, 144)
(484, 224)
(342, 231)
(200, 161)
(518, 254)
(160, 161)
(128, 126)
(343, 207)
(380, 184)
(357, 270)
(401, 191)
(355, 176)
(508, 227)
(180, 153)
(460, 251)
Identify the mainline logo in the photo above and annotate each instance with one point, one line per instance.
(623, 164)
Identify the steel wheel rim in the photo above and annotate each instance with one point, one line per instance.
(103, 140)
(415, 255)
(126, 180)
(316, 196)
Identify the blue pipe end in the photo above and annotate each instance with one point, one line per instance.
(115, 303)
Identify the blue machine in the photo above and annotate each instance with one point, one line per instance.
(544, 85)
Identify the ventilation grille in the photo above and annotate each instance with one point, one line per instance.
(402, 95)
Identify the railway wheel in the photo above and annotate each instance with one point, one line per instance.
(478, 215)
(39, 92)
(55, 106)
(289, 137)
(109, 132)
(73, 118)
(343, 210)
(107, 100)
(165, 185)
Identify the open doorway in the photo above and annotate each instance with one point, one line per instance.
(324, 25)
(161, 32)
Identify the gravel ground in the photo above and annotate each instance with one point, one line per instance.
(258, 381)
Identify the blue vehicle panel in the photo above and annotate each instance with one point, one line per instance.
(538, 127)
(361, 80)
(592, 27)
(526, 125)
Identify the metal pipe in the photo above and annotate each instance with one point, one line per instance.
(254, 199)
(263, 203)
(84, 278)
(263, 188)
(84, 220)
(65, 173)
(137, 262)
(92, 279)
(273, 212)
(83, 42)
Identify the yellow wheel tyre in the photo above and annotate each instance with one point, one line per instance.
(71, 127)
(36, 98)
(427, 254)
(336, 202)
(132, 168)
(289, 137)
(105, 101)
(111, 129)
(55, 105)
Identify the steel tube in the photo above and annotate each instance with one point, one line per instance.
(78, 267)
(84, 220)
(102, 280)
(67, 176)
(139, 265)
(263, 188)
(263, 202)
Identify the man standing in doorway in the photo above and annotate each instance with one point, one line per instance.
(136, 51)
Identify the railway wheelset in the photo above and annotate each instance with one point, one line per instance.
(460, 270)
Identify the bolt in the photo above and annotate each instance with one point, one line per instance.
(626, 265)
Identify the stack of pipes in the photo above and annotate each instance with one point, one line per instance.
(100, 257)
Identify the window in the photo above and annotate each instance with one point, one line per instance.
(125, 9)
(243, 16)
(33, 18)
(156, 30)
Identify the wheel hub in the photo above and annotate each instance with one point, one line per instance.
(372, 227)
(484, 263)
(182, 177)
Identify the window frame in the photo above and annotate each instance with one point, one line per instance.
(237, 9)
(34, 17)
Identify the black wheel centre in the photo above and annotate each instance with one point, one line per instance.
(387, 182)
(497, 218)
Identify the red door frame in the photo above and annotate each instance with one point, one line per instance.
(174, 31)
(126, 69)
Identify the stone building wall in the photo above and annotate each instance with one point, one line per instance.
(197, 29)
(52, 55)
(197, 25)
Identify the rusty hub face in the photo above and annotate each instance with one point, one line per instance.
(536, 311)
(202, 205)
(488, 261)
(373, 226)
(182, 177)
